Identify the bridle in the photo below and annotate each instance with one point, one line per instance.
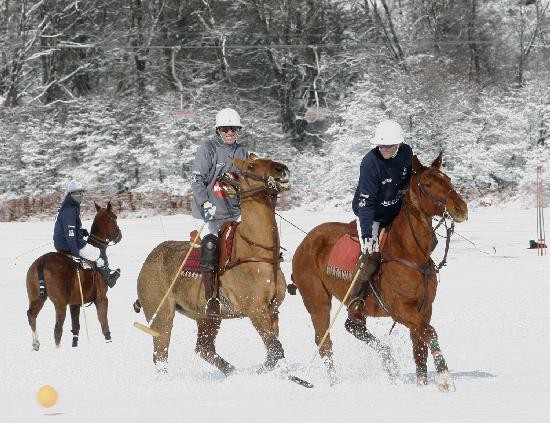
(100, 243)
(270, 191)
(441, 203)
(427, 268)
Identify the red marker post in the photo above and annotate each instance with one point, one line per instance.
(541, 241)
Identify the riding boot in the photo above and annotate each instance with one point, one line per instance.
(109, 276)
(209, 269)
(371, 263)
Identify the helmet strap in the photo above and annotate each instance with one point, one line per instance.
(396, 151)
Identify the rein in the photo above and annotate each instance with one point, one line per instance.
(429, 268)
(269, 191)
(98, 242)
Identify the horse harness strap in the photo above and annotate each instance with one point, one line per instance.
(450, 231)
(98, 242)
(235, 261)
(425, 271)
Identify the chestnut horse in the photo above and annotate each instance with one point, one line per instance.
(406, 283)
(253, 286)
(66, 283)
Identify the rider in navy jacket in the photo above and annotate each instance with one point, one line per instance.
(67, 234)
(377, 197)
(385, 172)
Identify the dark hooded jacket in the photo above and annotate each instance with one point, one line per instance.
(67, 233)
(380, 180)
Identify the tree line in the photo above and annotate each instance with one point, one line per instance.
(301, 53)
(70, 69)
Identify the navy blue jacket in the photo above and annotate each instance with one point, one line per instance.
(67, 233)
(376, 197)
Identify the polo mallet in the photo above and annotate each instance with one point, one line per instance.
(353, 281)
(82, 304)
(147, 329)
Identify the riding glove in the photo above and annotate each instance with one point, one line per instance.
(209, 211)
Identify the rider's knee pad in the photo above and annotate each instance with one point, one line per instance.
(209, 253)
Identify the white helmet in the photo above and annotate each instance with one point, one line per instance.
(74, 186)
(228, 117)
(388, 132)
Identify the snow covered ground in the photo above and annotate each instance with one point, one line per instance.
(492, 314)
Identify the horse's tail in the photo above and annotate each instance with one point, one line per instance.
(41, 282)
(137, 306)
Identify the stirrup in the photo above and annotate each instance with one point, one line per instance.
(213, 307)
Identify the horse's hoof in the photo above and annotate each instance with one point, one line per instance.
(36, 346)
(390, 366)
(421, 380)
(162, 370)
(75, 342)
(108, 337)
(445, 382)
(228, 370)
(333, 378)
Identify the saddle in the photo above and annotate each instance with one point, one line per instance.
(226, 237)
(344, 256)
(79, 261)
(83, 263)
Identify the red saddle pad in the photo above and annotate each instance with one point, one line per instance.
(192, 265)
(343, 257)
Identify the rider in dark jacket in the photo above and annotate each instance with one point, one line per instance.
(68, 235)
(384, 174)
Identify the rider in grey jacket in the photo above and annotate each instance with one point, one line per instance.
(212, 160)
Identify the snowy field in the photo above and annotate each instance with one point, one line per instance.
(492, 313)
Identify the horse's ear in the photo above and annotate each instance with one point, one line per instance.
(97, 206)
(109, 207)
(438, 160)
(416, 165)
(252, 156)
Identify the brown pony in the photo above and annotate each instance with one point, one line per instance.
(66, 283)
(406, 283)
(253, 285)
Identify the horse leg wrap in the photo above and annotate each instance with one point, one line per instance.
(439, 360)
(75, 338)
(274, 354)
(421, 374)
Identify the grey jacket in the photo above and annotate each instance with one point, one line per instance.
(212, 160)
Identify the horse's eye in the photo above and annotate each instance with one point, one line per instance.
(251, 166)
(427, 185)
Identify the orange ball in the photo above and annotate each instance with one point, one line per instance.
(47, 396)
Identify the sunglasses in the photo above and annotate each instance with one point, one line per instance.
(226, 129)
